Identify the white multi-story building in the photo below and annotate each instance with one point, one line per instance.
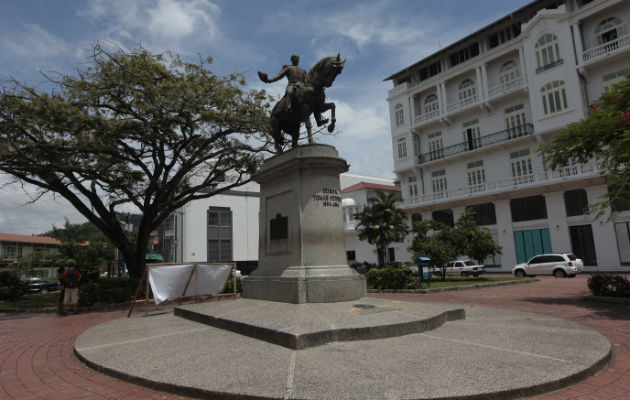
(466, 123)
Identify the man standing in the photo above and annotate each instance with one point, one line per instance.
(71, 296)
(295, 75)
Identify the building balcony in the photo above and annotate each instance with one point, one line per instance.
(460, 104)
(487, 140)
(397, 89)
(549, 66)
(606, 48)
(419, 119)
(506, 88)
(577, 171)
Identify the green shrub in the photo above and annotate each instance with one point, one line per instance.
(229, 286)
(11, 287)
(609, 285)
(391, 278)
(108, 291)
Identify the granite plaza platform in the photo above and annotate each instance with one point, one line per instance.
(365, 349)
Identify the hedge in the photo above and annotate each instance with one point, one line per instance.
(609, 285)
(391, 278)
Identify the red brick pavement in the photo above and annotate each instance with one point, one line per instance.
(560, 298)
(37, 359)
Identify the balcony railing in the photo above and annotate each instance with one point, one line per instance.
(507, 134)
(506, 87)
(562, 174)
(397, 89)
(606, 48)
(462, 103)
(426, 116)
(549, 66)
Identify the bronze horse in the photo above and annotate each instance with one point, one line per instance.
(308, 99)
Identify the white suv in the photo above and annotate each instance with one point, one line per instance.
(558, 265)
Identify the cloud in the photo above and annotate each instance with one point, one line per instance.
(33, 41)
(160, 25)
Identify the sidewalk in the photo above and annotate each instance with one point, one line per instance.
(37, 359)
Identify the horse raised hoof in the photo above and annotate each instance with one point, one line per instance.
(331, 127)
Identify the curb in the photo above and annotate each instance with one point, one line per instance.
(462, 287)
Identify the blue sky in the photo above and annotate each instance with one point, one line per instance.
(377, 38)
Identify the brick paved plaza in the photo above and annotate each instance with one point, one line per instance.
(37, 359)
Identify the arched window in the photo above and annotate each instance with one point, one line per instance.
(509, 72)
(554, 97)
(467, 91)
(609, 30)
(431, 104)
(399, 115)
(547, 52)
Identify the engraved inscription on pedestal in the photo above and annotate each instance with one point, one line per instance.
(328, 197)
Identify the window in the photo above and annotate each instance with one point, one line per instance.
(515, 121)
(431, 105)
(443, 216)
(464, 54)
(472, 134)
(413, 186)
(402, 148)
(528, 208)
(415, 218)
(351, 255)
(622, 231)
(467, 92)
(391, 254)
(530, 243)
(509, 73)
(521, 164)
(613, 78)
(427, 72)
(476, 176)
(416, 145)
(435, 146)
(547, 52)
(582, 243)
(504, 35)
(219, 234)
(554, 97)
(575, 202)
(399, 115)
(484, 214)
(610, 29)
(438, 182)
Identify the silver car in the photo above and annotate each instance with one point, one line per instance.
(558, 265)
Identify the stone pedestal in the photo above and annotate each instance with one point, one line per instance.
(302, 254)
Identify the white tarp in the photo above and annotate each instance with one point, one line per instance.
(170, 280)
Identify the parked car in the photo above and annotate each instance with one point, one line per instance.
(558, 265)
(462, 268)
(39, 285)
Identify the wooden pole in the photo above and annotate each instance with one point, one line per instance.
(135, 296)
(234, 277)
(146, 294)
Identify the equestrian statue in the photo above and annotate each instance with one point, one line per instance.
(304, 96)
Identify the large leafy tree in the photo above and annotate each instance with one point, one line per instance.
(434, 240)
(442, 243)
(381, 222)
(603, 135)
(473, 240)
(132, 130)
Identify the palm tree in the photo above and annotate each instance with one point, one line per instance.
(381, 223)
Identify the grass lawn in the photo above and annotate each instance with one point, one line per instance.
(30, 301)
(437, 282)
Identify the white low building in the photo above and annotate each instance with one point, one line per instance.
(225, 227)
(466, 123)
